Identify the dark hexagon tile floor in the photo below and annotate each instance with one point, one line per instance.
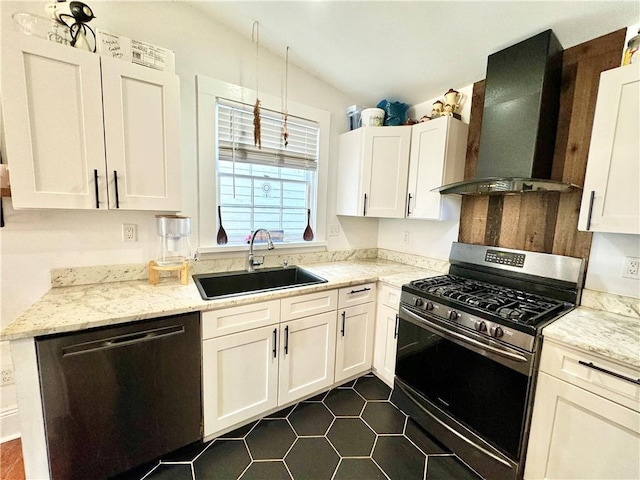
(351, 432)
(309, 419)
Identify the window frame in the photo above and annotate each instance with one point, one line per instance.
(207, 90)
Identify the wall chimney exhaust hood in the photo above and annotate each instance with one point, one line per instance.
(519, 121)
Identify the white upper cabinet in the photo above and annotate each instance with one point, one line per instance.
(52, 104)
(142, 132)
(611, 197)
(438, 152)
(60, 151)
(372, 172)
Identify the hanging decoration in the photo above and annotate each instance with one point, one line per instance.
(255, 37)
(76, 20)
(285, 106)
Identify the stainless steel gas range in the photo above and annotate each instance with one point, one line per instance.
(468, 349)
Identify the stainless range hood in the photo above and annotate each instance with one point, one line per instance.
(519, 121)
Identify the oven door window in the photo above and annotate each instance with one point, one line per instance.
(480, 393)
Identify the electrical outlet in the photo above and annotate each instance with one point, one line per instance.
(406, 237)
(334, 230)
(631, 268)
(7, 375)
(129, 232)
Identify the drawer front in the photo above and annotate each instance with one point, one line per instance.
(237, 319)
(309, 304)
(389, 296)
(565, 363)
(356, 295)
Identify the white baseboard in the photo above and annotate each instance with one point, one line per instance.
(9, 423)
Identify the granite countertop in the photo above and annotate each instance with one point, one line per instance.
(610, 335)
(68, 309)
(73, 308)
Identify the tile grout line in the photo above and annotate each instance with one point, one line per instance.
(370, 388)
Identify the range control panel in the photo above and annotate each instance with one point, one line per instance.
(482, 326)
(505, 258)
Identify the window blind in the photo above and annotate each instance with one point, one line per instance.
(235, 137)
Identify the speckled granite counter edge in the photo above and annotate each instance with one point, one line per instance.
(609, 335)
(78, 307)
(604, 324)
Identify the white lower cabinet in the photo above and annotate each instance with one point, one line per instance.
(354, 344)
(386, 334)
(384, 360)
(240, 377)
(252, 363)
(581, 428)
(263, 355)
(307, 356)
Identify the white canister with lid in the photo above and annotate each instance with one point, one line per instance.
(372, 117)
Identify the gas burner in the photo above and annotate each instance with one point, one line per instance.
(496, 301)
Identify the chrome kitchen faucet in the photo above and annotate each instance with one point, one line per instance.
(253, 262)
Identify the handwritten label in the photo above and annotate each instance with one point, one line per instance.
(135, 51)
(114, 45)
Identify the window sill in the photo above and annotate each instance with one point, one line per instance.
(281, 247)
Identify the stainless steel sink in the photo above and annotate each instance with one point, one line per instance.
(227, 284)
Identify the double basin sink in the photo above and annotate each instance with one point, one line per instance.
(227, 284)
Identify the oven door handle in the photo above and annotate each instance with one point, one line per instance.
(463, 338)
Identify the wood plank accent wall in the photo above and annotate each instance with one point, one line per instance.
(545, 222)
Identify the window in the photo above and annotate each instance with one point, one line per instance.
(274, 186)
(270, 187)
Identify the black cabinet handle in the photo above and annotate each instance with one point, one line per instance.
(115, 181)
(286, 339)
(344, 318)
(364, 209)
(366, 289)
(395, 330)
(591, 197)
(409, 205)
(609, 372)
(275, 342)
(95, 186)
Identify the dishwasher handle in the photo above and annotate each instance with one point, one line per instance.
(122, 340)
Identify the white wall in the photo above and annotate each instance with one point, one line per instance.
(608, 251)
(33, 242)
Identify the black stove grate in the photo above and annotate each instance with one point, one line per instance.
(507, 303)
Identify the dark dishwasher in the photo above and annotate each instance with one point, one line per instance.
(117, 397)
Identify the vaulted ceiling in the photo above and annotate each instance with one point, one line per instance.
(410, 50)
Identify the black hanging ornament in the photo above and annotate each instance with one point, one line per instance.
(81, 13)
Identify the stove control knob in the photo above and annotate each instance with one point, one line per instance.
(418, 302)
(453, 315)
(428, 306)
(480, 326)
(496, 332)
